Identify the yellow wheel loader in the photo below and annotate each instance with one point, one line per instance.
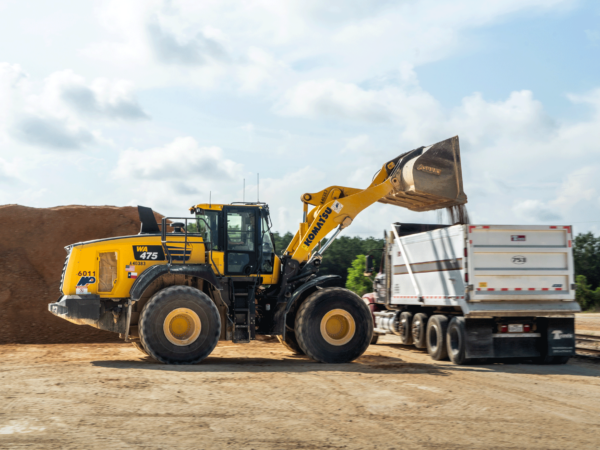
(174, 291)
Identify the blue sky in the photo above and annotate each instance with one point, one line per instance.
(161, 102)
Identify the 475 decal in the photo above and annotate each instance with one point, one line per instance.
(148, 253)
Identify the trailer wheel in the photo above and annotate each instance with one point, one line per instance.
(140, 347)
(405, 327)
(334, 325)
(456, 341)
(437, 326)
(290, 342)
(419, 330)
(180, 325)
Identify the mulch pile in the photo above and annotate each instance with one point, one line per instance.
(32, 255)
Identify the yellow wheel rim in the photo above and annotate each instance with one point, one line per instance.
(182, 326)
(338, 327)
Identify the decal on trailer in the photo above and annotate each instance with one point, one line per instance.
(519, 259)
(518, 238)
(83, 283)
(148, 252)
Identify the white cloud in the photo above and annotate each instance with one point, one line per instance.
(62, 112)
(179, 172)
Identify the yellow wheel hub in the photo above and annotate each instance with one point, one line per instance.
(338, 327)
(182, 326)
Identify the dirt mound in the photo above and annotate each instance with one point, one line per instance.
(32, 255)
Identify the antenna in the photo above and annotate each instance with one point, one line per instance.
(210, 199)
(257, 184)
(244, 191)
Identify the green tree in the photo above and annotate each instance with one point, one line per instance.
(586, 254)
(586, 297)
(281, 242)
(357, 281)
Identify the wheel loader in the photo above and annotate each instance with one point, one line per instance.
(174, 291)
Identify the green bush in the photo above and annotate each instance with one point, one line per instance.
(357, 281)
(586, 297)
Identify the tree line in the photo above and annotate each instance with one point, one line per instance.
(346, 258)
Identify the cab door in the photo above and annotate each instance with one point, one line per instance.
(241, 240)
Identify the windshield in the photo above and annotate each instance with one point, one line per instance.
(210, 232)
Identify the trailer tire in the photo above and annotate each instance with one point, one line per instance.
(180, 325)
(561, 359)
(140, 347)
(334, 325)
(374, 339)
(419, 330)
(405, 328)
(437, 326)
(290, 342)
(456, 341)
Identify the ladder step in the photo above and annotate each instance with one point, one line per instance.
(241, 326)
(238, 294)
(235, 310)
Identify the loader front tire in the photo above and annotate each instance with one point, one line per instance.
(334, 325)
(180, 325)
(290, 342)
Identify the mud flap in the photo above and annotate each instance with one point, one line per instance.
(479, 340)
(560, 337)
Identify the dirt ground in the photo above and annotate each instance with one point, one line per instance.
(259, 396)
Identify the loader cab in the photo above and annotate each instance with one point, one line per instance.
(241, 232)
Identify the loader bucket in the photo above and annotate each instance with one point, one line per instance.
(427, 178)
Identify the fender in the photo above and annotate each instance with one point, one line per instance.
(203, 271)
(303, 291)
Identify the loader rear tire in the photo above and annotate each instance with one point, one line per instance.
(334, 325)
(140, 347)
(180, 325)
(419, 330)
(437, 326)
(290, 342)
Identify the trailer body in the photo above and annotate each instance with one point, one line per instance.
(512, 285)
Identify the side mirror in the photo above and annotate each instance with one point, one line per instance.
(368, 265)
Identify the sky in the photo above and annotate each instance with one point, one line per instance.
(165, 103)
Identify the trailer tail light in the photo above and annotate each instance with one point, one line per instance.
(466, 278)
(465, 252)
(503, 328)
(526, 328)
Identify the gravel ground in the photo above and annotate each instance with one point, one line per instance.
(259, 396)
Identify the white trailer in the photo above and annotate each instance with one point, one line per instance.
(479, 291)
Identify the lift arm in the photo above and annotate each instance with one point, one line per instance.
(423, 179)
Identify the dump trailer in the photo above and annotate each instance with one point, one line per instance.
(175, 290)
(471, 292)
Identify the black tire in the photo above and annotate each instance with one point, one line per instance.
(291, 343)
(374, 339)
(140, 347)
(312, 326)
(405, 328)
(456, 341)
(152, 322)
(419, 330)
(437, 326)
(561, 359)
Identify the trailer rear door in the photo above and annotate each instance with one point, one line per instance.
(520, 263)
